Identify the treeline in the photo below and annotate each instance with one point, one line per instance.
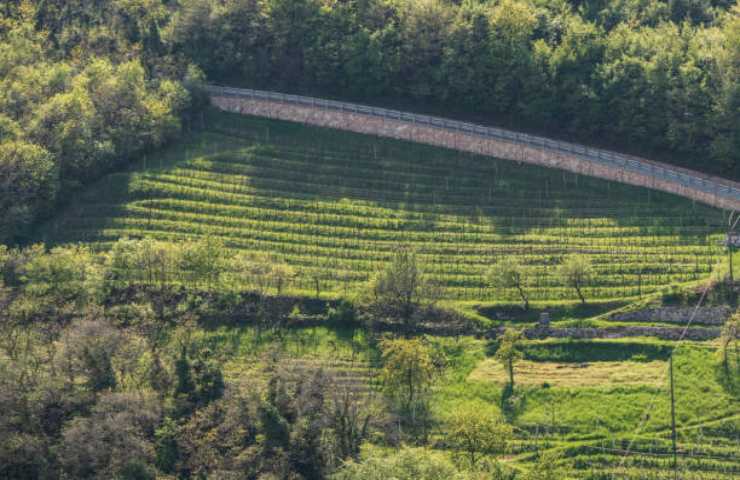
(85, 87)
(655, 76)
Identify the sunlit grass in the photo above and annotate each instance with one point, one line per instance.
(335, 205)
(570, 375)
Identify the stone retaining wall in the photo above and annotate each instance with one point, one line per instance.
(406, 130)
(680, 315)
(664, 333)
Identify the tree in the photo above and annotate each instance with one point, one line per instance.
(546, 468)
(88, 349)
(184, 385)
(65, 275)
(728, 338)
(576, 272)
(476, 431)
(404, 464)
(508, 352)
(275, 428)
(117, 433)
(510, 273)
(402, 288)
(408, 373)
(262, 272)
(203, 261)
(217, 441)
(27, 185)
(349, 420)
(167, 453)
(198, 382)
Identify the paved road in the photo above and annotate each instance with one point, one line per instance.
(698, 186)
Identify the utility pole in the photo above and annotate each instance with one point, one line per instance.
(673, 420)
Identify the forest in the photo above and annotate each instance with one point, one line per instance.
(191, 294)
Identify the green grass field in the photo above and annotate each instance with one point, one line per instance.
(335, 205)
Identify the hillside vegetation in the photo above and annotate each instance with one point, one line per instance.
(191, 294)
(335, 206)
(85, 87)
(652, 76)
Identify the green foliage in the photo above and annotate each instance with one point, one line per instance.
(79, 97)
(167, 453)
(650, 76)
(324, 204)
(579, 351)
(197, 383)
(546, 468)
(508, 273)
(405, 464)
(275, 427)
(729, 352)
(136, 470)
(475, 431)
(28, 184)
(64, 274)
(408, 373)
(399, 290)
(577, 272)
(184, 381)
(343, 314)
(509, 351)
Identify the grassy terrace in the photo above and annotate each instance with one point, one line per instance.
(589, 420)
(335, 204)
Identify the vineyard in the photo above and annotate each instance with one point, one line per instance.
(335, 205)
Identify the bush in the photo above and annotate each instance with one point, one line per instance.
(343, 314)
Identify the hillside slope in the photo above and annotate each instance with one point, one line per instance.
(334, 205)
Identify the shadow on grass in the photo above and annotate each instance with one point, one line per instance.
(728, 377)
(585, 351)
(513, 403)
(516, 314)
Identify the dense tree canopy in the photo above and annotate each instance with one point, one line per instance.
(662, 75)
(83, 88)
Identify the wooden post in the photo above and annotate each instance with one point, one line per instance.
(673, 421)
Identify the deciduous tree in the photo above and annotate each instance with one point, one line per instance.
(509, 352)
(576, 272)
(476, 431)
(510, 273)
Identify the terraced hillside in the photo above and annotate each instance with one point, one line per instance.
(601, 408)
(335, 205)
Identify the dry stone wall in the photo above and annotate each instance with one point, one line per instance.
(663, 333)
(681, 315)
(453, 139)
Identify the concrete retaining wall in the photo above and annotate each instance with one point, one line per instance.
(406, 130)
